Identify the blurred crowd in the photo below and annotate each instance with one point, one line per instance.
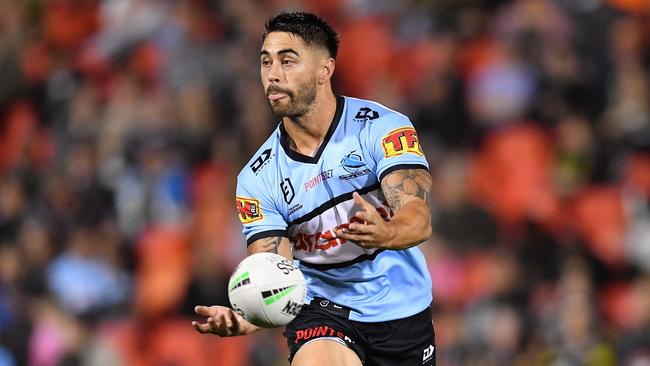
(123, 124)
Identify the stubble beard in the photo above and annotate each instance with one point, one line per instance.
(299, 103)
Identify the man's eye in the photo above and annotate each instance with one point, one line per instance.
(266, 62)
(287, 62)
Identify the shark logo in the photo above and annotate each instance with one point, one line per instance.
(354, 165)
(352, 162)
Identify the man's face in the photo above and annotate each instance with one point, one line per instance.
(289, 70)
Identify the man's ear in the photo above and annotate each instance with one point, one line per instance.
(326, 71)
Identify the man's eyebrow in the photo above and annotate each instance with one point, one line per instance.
(284, 50)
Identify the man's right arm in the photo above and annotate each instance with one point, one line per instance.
(259, 217)
(276, 244)
(224, 321)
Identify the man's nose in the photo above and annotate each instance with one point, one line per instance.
(275, 73)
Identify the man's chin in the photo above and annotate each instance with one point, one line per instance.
(280, 110)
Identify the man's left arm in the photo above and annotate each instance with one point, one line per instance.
(408, 193)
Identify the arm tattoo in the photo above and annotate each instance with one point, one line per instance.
(400, 185)
(270, 244)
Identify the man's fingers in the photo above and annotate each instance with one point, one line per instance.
(354, 237)
(219, 320)
(364, 241)
(216, 322)
(203, 310)
(234, 322)
(365, 216)
(224, 321)
(361, 202)
(359, 228)
(201, 328)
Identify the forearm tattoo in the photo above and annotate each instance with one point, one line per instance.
(270, 244)
(400, 185)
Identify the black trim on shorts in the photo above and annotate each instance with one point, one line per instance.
(401, 166)
(284, 137)
(333, 202)
(325, 267)
(266, 234)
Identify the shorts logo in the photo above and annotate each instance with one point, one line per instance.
(324, 303)
(428, 353)
(366, 114)
(249, 210)
(401, 141)
(287, 190)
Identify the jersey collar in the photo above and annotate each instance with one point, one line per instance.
(294, 155)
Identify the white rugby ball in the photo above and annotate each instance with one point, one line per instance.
(267, 289)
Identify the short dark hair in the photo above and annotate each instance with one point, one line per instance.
(309, 27)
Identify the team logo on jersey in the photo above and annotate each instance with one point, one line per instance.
(261, 161)
(287, 190)
(366, 114)
(401, 141)
(352, 163)
(249, 210)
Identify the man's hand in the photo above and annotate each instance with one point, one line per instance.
(372, 232)
(222, 321)
(407, 192)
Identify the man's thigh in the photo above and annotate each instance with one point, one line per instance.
(325, 352)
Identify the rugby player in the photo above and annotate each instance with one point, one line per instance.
(342, 187)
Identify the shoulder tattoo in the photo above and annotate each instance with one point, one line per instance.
(403, 185)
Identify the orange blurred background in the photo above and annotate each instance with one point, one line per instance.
(123, 124)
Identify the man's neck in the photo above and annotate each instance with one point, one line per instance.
(306, 133)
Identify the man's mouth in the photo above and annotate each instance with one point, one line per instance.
(275, 96)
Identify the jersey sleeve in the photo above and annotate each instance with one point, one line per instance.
(394, 144)
(257, 212)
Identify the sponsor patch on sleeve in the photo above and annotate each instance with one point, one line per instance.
(401, 141)
(249, 210)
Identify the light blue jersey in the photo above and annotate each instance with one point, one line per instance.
(281, 192)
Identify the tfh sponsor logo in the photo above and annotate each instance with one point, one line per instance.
(401, 141)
